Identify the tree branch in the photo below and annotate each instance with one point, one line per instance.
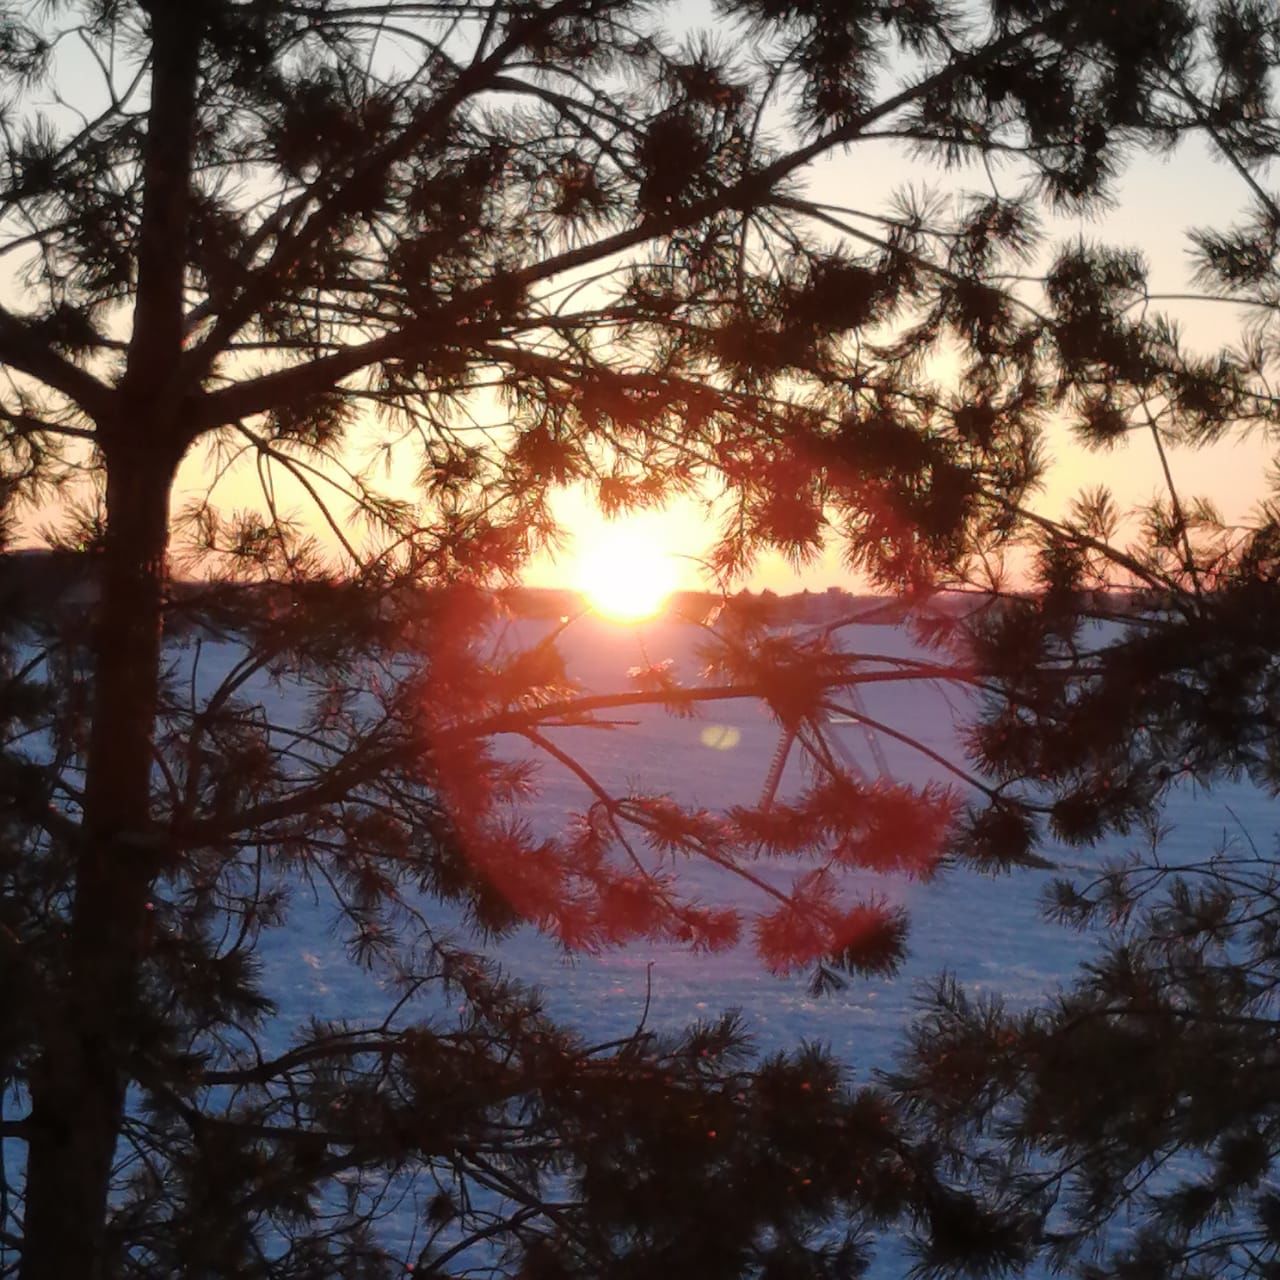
(28, 354)
(259, 395)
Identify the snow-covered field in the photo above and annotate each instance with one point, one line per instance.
(986, 931)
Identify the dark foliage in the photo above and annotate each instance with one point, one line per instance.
(1131, 1123)
(505, 247)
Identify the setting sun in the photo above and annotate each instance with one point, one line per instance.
(624, 574)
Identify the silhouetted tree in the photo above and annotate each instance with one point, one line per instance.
(1132, 1121)
(512, 245)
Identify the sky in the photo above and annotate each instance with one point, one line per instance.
(1158, 199)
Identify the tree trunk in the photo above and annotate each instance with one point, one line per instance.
(78, 1088)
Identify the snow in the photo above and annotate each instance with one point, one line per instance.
(986, 931)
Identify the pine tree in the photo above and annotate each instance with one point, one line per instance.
(512, 245)
(1130, 1122)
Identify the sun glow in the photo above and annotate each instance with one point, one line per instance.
(624, 574)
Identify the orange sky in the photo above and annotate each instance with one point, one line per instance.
(1157, 202)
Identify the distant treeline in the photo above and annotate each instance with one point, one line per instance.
(39, 582)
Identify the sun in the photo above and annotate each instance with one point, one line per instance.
(625, 574)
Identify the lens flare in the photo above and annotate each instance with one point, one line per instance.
(720, 737)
